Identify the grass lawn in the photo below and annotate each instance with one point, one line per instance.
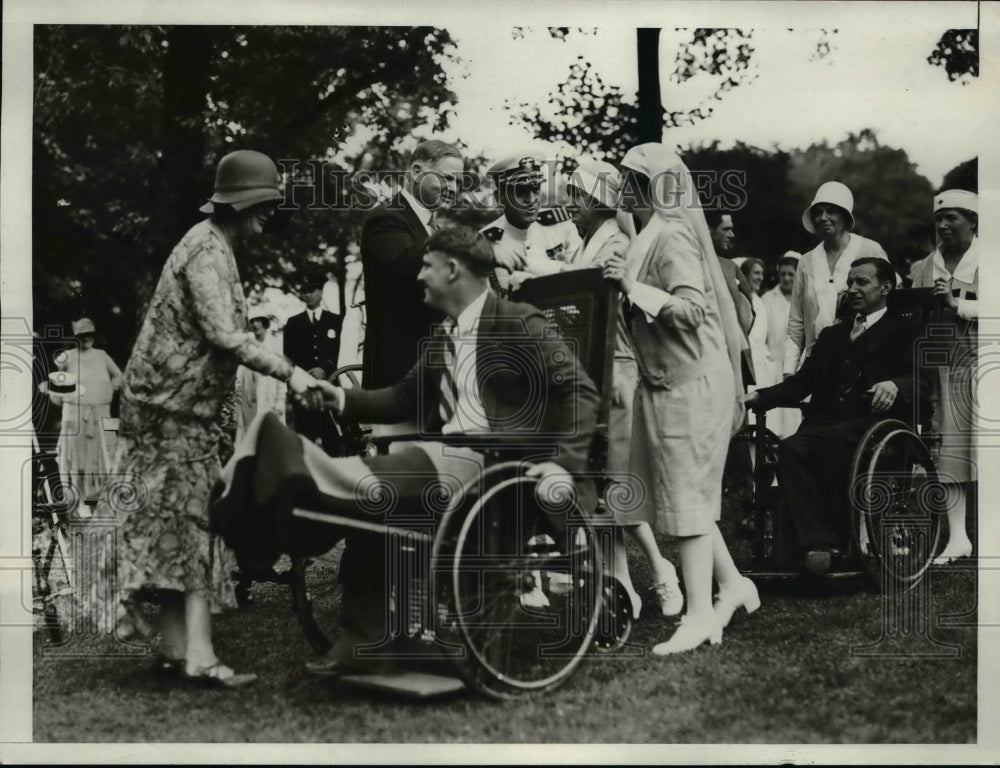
(788, 674)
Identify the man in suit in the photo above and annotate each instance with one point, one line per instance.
(723, 231)
(493, 365)
(392, 242)
(312, 342)
(857, 374)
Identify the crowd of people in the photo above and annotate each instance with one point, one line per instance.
(697, 341)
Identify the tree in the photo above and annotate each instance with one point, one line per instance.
(129, 123)
(963, 176)
(958, 52)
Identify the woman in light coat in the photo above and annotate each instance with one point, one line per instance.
(594, 190)
(688, 344)
(821, 278)
(952, 271)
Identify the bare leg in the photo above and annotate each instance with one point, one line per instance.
(700, 624)
(620, 571)
(958, 540)
(697, 563)
(198, 618)
(173, 627)
(723, 568)
(642, 534)
(668, 592)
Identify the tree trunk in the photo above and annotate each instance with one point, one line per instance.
(185, 88)
(650, 117)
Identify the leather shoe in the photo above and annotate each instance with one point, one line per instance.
(326, 666)
(818, 561)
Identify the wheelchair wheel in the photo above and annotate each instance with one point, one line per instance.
(315, 600)
(750, 519)
(51, 551)
(896, 505)
(615, 623)
(524, 606)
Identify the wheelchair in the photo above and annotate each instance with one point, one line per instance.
(52, 503)
(893, 499)
(460, 588)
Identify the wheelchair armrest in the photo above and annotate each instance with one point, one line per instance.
(480, 441)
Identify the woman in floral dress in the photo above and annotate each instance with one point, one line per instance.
(182, 367)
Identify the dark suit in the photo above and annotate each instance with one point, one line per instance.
(742, 295)
(541, 368)
(392, 246)
(312, 345)
(814, 463)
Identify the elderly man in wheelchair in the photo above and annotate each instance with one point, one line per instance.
(859, 373)
(496, 368)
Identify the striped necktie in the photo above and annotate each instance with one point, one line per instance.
(449, 390)
(859, 327)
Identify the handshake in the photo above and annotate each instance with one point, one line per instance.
(315, 393)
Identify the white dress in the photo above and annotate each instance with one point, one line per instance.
(782, 421)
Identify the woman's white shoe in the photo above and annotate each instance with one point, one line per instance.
(693, 631)
(668, 592)
(951, 554)
(741, 594)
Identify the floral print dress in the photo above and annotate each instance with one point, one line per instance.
(182, 368)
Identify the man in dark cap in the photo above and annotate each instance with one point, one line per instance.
(312, 342)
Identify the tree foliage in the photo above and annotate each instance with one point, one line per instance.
(958, 52)
(130, 121)
(892, 201)
(963, 176)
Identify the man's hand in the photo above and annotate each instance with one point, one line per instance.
(509, 261)
(333, 397)
(317, 373)
(554, 483)
(942, 288)
(301, 384)
(616, 270)
(883, 396)
(517, 279)
(750, 399)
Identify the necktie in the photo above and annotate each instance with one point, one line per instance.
(859, 327)
(449, 390)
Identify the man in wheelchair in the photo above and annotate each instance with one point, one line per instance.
(493, 366)
(859, 372)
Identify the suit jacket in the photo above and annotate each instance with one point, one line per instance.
(838, 372)
(311, 345)
(392, 246)
(544, 389)
(742, 295)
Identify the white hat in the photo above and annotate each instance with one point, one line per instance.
(791, 255)
(522, 168)
(833, 193)
(956, 198)
(598, 180)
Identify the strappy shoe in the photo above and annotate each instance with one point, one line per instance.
(668, 592)
(218, 675)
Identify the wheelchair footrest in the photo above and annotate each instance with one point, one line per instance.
(415, 685)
